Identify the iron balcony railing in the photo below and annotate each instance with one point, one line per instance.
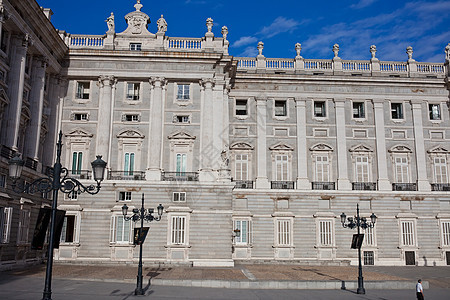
(323, 185)
(126, 175)
(364, 186)
(440, 187)
(6, 152)
(179, 176)
(243, 184)
(404, 187)
(31, 163)
(283, 185)
(80, 174)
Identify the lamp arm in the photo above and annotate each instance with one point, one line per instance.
(41, 185)
(72, 185)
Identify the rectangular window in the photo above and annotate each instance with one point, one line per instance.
(80, 117)
(322, 169)
(77, 162)
(358, 110)
(397, 111)
(68, 230)
(280, 108)
(183, 92)
(178, 230)
(182, 119)
(369, 258)
(120, 230)
(362, 168)
(24, 225)
(325, 233)
(445, 233)
(72, 196)
(83, 90)
(5, 222)
(128, 164)
(434, 111)
(241, 107)
(281, 167)
(407, 228)
(181, 163)
(131, 118)
(25, 95)
(124, 196)
(283, 232)
(241, 167)
(401, 169)
(179, 196)
(369, 238)
(244, 227)
(440, 169)
(319, 109)
(135, 46)
(133, 91)
(2, 181)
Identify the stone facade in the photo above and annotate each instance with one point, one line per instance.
(254, 159)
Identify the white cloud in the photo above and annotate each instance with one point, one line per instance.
(249, 52)
(245, 40)
(279, 25)
(362, 4)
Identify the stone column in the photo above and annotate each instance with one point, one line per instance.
(208, 151)
(303, 182)
(218, 123)
(15, 90)
(421, 160)
(104, 116)
(343, 182)
(155, 140)
(261, 144)
(36, 105)
(383, 179)
(2, 19)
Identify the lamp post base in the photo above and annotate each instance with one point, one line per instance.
(139, 291)
(360, 291)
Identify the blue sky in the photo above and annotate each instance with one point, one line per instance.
(391, 25)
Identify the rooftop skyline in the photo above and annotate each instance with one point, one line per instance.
(317, 25)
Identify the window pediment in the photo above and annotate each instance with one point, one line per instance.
(281, 147)
(360, 148)
(181, 135)
(321, 147)
(438, 150)
(127, 134)
(78, 132)
(241, 146)
(400, 149)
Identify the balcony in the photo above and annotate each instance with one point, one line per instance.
(404, 187)
(282, 185)
(6, 152)
(80, 174)
(442, 187)
(31, 163)
(364, 186)
(243, 184)
(126, 175)
(323, 185)
(179, 176)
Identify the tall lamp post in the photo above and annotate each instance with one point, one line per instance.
(147, 215)
(359, 223)
(55, 182)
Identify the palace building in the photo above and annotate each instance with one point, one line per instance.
(254, 159)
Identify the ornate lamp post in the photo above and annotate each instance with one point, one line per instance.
(54, 183)
(359, 223)
(147, 215)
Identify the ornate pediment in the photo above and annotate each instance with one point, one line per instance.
(130, 134)
(137, 22)
(77, 133)
(360, 148)
(321, 147)
(241, 146)
(181, 135)
(439, 149)
(400, 149)
(281, 147)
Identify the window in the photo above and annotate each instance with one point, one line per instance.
(244, 227)
(72, 196)
(434, 111)
(124, 196)
(181, 163)
(5, 223)
(2, 76)
(241, 107)
(283, 231)
(280, 108)
(120, 230)
(401, 169)
(24, 224)
(133, 91)
(179, 196)
(82, 90)
(319, 109)
(68, 229)
(80, 117)
(281, 166)
(396, 111)
(183, 92)
(358, 110)
(2, 181)
(181, 119)
(362, 168)
(135, 46)
(369, 237)
(369, 258)
(440, 169)
(25, 95)
(131, 118)
(322, 168)
(128, 166)
(77, 162)
(178, 230)
(407, 231)
(241, 167)
(445, 225)
(325, 233)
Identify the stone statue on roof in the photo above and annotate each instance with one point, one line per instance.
(110, 23)
(162, 24)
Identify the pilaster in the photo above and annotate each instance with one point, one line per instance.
(383, 180)
(341, 141)
(104, 116)
(421, 160)
(303, 182)
(261, 143)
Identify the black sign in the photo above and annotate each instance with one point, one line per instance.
(42, 223)
(357, 240)
(60, 214)
(140, 234)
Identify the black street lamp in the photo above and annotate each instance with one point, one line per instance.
(359, 223)
(54, 183)
(147, 215)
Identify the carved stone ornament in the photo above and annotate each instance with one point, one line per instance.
(373, 50)
(78, 132)
(181, 135)
(130, 134)
(260, 48)
(162, 24)
(439, 149)
(360, 148)
(225, 32)
(209, 24)
(137, 22)
(336, 50)
(400, 149)
(447, 52)
(321, 147)
(241, 146)
(298, 49)
(281, 147)
(110, 23)
(409, 51)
